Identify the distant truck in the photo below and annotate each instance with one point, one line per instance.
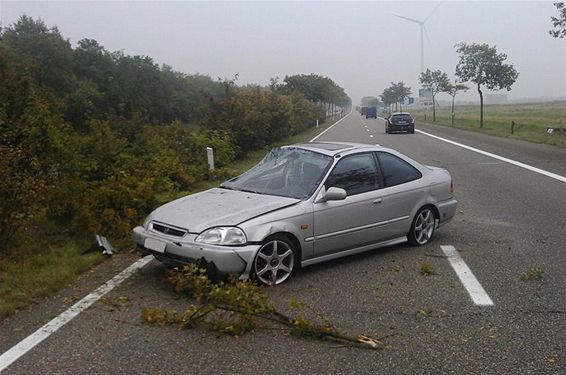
(371, 112)
(364, 111)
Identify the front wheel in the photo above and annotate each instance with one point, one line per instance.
(275, 261)
(423, 227)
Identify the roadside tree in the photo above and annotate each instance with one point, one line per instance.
(370, 101)
(559, 22)
(396, 93)
(388, 98)
(316, 88)
(453, 90)
(436, 81)
(483, 66)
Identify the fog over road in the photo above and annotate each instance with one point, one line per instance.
(509, 220)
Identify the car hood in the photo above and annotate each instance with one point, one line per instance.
(218, 207)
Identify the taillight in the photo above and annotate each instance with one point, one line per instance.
(452, 189)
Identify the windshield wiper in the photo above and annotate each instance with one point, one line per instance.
(251, 191)
(235, 189)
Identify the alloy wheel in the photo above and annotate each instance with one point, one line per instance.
(274, 262)
(424, 226)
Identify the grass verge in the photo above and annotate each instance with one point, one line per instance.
(31, 275)
(530, 120)
(39, 267)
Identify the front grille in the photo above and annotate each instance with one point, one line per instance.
(170, 231)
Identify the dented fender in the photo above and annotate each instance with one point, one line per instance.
(297, 220)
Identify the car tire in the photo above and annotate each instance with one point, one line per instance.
(275, 261)
(423, 227)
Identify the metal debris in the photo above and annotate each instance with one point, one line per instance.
(101, 243)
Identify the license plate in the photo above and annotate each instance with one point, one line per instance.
(155, 245)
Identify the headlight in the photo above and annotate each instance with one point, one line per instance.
(222, 236)
(147, 221)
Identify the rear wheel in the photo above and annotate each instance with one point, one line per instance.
(423, 227)
(275, 260)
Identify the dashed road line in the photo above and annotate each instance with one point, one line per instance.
(510, 161)
(471, 284)
(44, 332)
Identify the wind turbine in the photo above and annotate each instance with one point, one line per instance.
(422, 27)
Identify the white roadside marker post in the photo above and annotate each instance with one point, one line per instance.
(210, 156)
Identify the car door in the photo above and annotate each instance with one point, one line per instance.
(403, 190)
(349, 223)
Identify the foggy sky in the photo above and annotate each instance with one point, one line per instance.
(361, 46)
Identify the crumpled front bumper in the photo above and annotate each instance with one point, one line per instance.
(232, 260)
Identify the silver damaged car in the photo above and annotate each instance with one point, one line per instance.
(302, 204)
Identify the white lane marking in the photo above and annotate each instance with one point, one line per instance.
(331, 126)
(367, 130)
(472, 285)
(371, 136)
(510, 161)
(44, 332)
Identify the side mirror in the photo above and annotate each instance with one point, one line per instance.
(333, 194)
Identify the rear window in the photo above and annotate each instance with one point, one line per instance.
(406, 118)
(396, 171)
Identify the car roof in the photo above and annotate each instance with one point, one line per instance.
(333, 148)
(400, 113)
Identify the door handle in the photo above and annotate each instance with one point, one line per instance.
(377, 201)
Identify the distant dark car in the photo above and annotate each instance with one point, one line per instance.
(400, 122)
(371, 112)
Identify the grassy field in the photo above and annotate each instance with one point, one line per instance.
(41, 267)
(531, 120)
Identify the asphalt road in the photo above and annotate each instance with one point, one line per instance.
(509, 220)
